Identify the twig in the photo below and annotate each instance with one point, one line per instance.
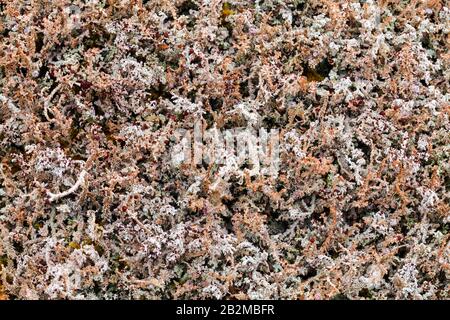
(47, 101)
(53, 197)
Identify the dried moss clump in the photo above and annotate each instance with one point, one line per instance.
(93, 91)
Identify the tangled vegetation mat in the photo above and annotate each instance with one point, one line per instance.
(95, 203)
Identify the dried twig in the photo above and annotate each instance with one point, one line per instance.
(53, 197)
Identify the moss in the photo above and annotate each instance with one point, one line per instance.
(74, 245)
(362, 118)
(3, 260)
(329, 180)
(227, 9)
(340, 296)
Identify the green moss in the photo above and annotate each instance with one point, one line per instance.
(329, 180)
(74, 245)
(4, 260)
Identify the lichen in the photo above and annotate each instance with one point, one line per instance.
(96, 203)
